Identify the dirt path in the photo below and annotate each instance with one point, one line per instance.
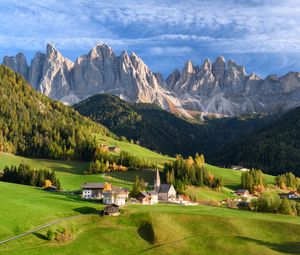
(37, 229)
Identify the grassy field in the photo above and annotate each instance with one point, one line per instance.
(203, 194)
(136, 150)
(170, 229)
(165, 229)
(70, 173)
(24, 207)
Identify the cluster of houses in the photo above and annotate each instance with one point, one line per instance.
(117, 196)
(244, 197)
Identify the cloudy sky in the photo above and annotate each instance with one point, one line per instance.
(263, 35)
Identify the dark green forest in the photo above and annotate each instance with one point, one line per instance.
(275, 149)
(162, 131)
(31, 124)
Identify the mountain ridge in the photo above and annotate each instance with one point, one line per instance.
(219, 87)
(162, 131)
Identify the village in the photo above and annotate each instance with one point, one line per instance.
(116, 197)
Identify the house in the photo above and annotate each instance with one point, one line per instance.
(112, 210)
(240, 168)
(51, 188)
(242, 192)
(92, 190)
(147, 198)
(115, 195)
(115, 149)
(290, 195)
(105, 191)
(166, 192)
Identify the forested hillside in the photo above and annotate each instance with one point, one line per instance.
(31, 124)
(162, 131)
(274, 149)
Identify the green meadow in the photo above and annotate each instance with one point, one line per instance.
(159, 229)
(169, 229)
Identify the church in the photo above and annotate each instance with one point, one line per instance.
(166, 192)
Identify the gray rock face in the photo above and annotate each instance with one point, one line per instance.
(18, 64)
(212, 88)
(226, 89)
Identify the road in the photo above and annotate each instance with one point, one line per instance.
(37, 229)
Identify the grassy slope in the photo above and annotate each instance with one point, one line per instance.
(70, 173)
(173, 230)
(25, 207)
(136, 150)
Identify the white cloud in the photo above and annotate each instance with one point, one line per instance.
(174, 51)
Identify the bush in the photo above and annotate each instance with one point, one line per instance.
(50, 235)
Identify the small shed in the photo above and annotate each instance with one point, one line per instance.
(115, 149)
(112, 210)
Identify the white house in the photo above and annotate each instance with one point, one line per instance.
(115, 195)
(92, 190)
(148, 197)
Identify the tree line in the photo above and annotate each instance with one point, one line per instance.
(253, 180)
(272, 203)
(190, 171)
(104, 161)
(288, 181)
(26, 175)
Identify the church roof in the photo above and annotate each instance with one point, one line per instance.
(164, 188)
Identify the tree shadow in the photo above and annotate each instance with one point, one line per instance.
(38, 235)
(86, 210)
(285, 247)
(146, 232)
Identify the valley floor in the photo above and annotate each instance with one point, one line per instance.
(159, 229)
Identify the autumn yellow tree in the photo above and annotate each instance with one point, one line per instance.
(47, 184)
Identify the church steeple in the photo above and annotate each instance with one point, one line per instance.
(157, 181)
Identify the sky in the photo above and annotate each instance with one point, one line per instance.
(262, 35)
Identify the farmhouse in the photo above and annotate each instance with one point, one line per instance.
(242, 192)
(240, 168)
(290, 195)
(115, 195)
(92, 190)
(112, 210)
(105, 191)
(166, 192)
(148, 198)
(115, 149)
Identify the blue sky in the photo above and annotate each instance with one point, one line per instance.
(263, 35)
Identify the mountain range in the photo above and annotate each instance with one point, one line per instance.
(218, 88)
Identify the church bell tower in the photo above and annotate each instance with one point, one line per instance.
(157, 182)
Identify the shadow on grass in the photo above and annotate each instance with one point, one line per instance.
(285, 247)
(38, 235)
(146, 232)
(86, 210)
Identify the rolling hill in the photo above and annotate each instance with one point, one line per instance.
(162, 131)
(275, 149)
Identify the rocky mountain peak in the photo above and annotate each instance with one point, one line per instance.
(188, 67)
(206, 66)
(103, 51)
(17, 63)
(216, 88)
